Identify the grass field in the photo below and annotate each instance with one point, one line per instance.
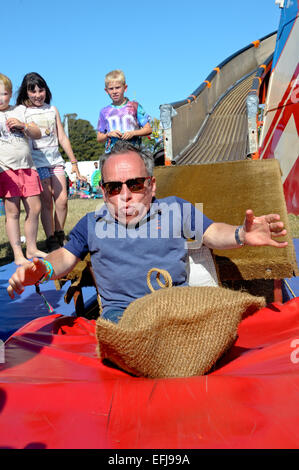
(76, 209)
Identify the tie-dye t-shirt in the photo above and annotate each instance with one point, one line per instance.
(124, 118)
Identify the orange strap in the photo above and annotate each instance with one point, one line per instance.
(167, 162)
(208, 83)
(255, 156)
(191, 96)
(256, 43)
(217, 69)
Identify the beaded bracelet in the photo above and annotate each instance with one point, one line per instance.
(48, 274)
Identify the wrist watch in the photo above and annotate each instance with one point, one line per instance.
(237, 236)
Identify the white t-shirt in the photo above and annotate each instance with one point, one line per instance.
(45, 151)
(15, 151)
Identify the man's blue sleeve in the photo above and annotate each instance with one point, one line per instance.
(195, 223)
(78, 239)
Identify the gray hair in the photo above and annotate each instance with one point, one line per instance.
(120, 147)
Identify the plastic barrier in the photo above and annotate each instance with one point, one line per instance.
(55, 392)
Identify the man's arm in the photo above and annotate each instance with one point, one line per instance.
(256, 231)
(62, 261)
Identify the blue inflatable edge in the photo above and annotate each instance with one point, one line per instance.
(291, 285)
(29, 305)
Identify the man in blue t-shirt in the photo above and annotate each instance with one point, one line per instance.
(134, 232)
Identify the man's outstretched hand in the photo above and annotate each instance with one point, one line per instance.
(258, 231)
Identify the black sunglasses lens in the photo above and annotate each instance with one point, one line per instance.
(113, 188)
(134, 185)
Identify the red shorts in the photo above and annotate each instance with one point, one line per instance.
(19, 183)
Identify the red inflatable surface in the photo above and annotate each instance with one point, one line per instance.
(56, 394)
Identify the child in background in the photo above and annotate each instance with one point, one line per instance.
(34, 93)
(18, 177)
(95, 178)
(122, 119)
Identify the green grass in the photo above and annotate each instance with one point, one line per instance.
(77, 208)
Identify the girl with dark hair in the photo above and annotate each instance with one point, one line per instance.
(30, 81)
(19, 179)
(35, 94)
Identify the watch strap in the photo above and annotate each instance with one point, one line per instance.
(237, 236)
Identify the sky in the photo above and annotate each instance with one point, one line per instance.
(166, 48)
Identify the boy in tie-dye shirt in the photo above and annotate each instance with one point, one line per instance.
(122, 119)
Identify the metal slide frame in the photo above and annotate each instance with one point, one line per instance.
(183, 119)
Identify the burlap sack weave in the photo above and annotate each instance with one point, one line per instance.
(175, 332)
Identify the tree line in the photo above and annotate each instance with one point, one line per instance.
(83, 138)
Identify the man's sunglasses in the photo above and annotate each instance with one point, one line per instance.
(135, 185)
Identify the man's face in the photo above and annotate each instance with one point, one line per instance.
(128, 207)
